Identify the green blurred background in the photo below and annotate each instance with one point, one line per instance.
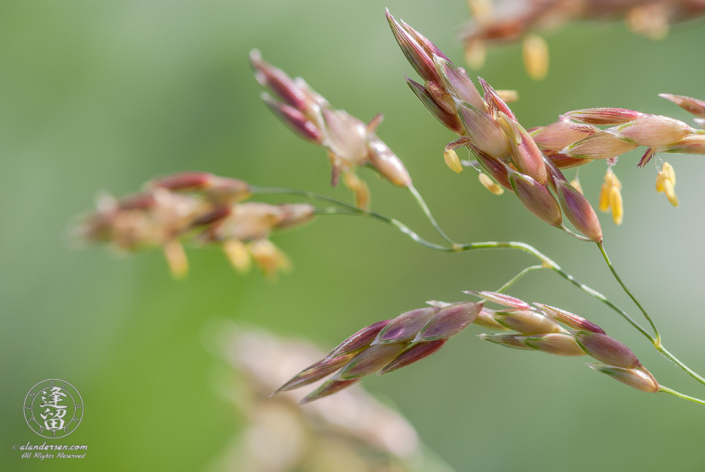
(105, 95)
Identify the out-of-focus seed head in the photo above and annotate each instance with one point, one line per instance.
(176, 258)
(501, 299)
(490, 184)
(371, 360)
(406, 326)
(359, 188)
(225, 190)
(555, 343)
(359, 340)
(640, 378)
(449, 321)
(484, 131)
(651, 130)
(328, 388)
(691, 105)
(602, 116)
(295, 214)
(606, 349)
(536, 198)
(347, 136)
(419, 57)
(457, 83)
(527, 322)
(570, 319)
(536, 57)
(413, 353)
(449, 120)
(579, 211)
(278, 81)
(384, 161)
(525, 153)
(601, 145)
(315, 372)
(665, 183)
(475, 53)
(507, 96)
(557, 136)
(184, 181)
(294, 119)
(508, 340)
(237, 254)
(268, 257)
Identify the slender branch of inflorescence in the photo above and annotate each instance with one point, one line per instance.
(428, 214)
(680, 395)
(657, 336)
(521, 274)
(546, 262)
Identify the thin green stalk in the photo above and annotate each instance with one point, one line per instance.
(428, 214)
(664, 352)
(516, 278)
(657, 336)
(680, 395)
(348, 209)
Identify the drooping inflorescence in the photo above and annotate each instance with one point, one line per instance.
(511, 21)
(529, 162)
(389, 345)
(350, 142)
(195, 206)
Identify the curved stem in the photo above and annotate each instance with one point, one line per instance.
(680, 395)
(428, 214)
(664, 352)
(516, 278)
(657, 336)
(546, 262)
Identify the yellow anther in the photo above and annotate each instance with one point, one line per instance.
(611, 197)
(665, 183)
(575, 183)
(490, 184)
(268, 257)
(536, 57)
(616, 206)
(237, 254)
(452, 160)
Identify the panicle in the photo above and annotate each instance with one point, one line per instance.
(526, 155)
(387, 346)
(501, 299)
(447, 119)
(484, 131)
(507, 340)
(349, 142)
(651, 130)
(556, 136)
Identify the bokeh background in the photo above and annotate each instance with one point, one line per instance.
(105, 95)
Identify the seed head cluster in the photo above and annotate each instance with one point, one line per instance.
(200, 207)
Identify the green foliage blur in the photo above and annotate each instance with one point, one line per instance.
(103, 96)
